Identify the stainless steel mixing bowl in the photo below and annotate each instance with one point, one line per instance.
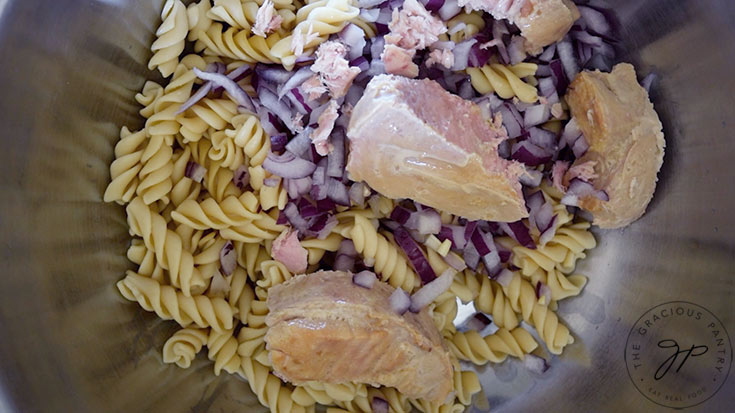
(69, 342)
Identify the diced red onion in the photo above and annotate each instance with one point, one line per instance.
(504, 278)
(530, 154)
(449, 9)
(232, 88)
(400, 214)
(570, 134)
(543, 139)
(595, 20)
(455, 234)
(196, 97)
(384, 17)
(369, 15)
(361, 63)
(480, 243)
(298, 102)
(278, 142)
(357, 194)
(320, 175)
(326, 205)
(536, 115)
(292, 214)
(307, 209)
(531, 178)
(241, 178)
(491, 261)
(477, 322)
(272, 182)
(548, 53)
(288, 165)
(364, 279)
(433, 5)
(512, 120)
(300, 144)
(400, 301)
(430, 291)
(354, 37)
(478, 55)
(415, 255)
(580, 146)
(195, 172)
(227, 258)
(278, 107)
(297, 78)
(272, 73)
(535, 363)
(519, 232)
(454, 261)
(298, 187)
(568, 60)
(462, 54)
(269, 122)
(336, 158)
(428, 221)
(548, 234)
(516, 50)
(543, 290)
(499, 29)
(337, 192)
(560, 78)
(471, 256)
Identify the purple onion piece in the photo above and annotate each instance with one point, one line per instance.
(357, 194)
(337, 192)
(433, 5)
(336, 158)
(288, 165)
(504, 278)
(529, 154)
(195, 172)
(227, 259)
(400, 301)
(297, 221)
(535, 363)
(415, 255)
(430, 291)
(354, 37)
(519, 232)
(471, 256)
(400, 214)
(196, 97)
(241, 178)
(477, 322)
(278, 142)
(365, 279)
(232, 88)
(297, 78)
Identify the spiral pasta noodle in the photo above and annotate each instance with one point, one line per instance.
(209, 213)
(388, 261)
(124, 169)
(170, 38)
(249, 135)
(183, 346)
(168, 247)
(496, 304)
(269, 389)
(494, 348)
(506, 81)
(170, 304)
(183, 188)
(238, 44)
(222, 349)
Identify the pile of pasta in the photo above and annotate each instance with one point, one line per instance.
(179, 226)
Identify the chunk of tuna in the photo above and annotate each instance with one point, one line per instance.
(413, 139)
(626, 143)
(324, 327)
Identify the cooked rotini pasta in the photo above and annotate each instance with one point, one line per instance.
(464, 25)
(222, 349)
(238, 44)
(250, 136)
(168, 247)
(506, 81)
(183, 346)
(232, 211)
(495, 348)
(170, 38)
(269, 389)
(124, 169)
(170, 304)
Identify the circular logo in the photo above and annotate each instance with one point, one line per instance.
(678, 354)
